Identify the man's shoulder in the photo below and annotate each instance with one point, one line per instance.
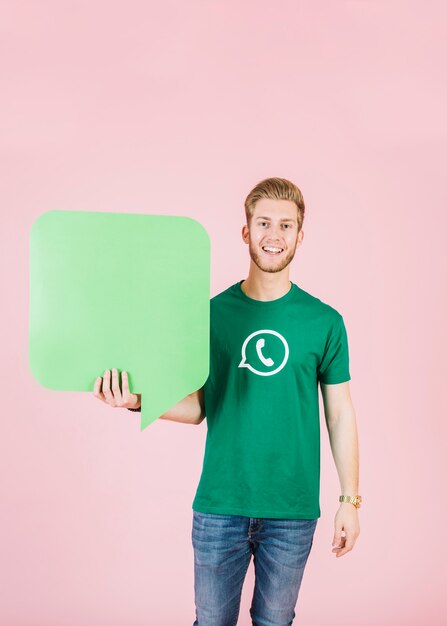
(225, 294)
(318, 304)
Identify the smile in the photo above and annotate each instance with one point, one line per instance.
(272, 249)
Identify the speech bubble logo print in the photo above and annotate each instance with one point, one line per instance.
(264, 352)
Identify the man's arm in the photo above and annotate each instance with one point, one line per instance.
(190, 410)
(341, 424)
(342, 428)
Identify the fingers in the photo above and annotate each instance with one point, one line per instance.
(339, 544)
(97, 389)
(111, 398)
(346, 546)
(125, 385)
(337, 537)
(116, 387)
(108, 389)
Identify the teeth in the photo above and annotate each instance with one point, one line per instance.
(271, 249)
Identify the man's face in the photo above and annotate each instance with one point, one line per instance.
(272, 236)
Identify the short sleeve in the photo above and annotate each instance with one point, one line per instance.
(334, 365)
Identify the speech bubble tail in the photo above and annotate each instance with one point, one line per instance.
(146, 418)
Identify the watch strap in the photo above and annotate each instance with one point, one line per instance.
(355, 500)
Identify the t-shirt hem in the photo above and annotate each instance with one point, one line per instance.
(260, 513)
(335, 381)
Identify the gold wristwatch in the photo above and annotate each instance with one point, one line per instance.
(355, 500)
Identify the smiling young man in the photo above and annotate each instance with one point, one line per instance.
(272, 344)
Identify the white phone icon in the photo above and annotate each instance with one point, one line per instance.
(268, 362)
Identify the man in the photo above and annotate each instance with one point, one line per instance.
(272, 343)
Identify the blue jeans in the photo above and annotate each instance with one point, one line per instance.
(223, 545)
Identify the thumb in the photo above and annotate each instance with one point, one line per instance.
(337, 537)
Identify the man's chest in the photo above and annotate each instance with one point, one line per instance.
(266, 346)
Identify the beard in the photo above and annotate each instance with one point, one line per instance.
(266, 265)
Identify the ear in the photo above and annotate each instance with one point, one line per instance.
(300, 237)
(245, 234)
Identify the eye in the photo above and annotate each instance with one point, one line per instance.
(287, 225)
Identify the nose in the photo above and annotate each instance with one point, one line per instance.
(275, 234)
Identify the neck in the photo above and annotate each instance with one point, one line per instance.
(266, 286)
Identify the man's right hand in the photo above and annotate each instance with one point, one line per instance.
(112, 395)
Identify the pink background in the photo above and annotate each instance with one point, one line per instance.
(180, 108)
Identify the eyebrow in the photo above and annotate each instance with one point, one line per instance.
(285, 219)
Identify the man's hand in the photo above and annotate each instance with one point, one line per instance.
(112, 395)
(346, 519)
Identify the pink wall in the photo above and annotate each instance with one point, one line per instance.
(180, 108)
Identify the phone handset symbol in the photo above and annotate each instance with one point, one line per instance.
(268, 362)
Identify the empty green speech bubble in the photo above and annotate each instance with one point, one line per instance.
(120, 290)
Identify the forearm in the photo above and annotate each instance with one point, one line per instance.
(190, 410)
(343, 438)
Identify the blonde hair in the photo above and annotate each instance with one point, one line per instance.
(275, 189)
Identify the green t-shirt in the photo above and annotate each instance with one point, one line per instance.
(262, 452)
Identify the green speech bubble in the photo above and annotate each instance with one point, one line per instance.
(120, 290)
